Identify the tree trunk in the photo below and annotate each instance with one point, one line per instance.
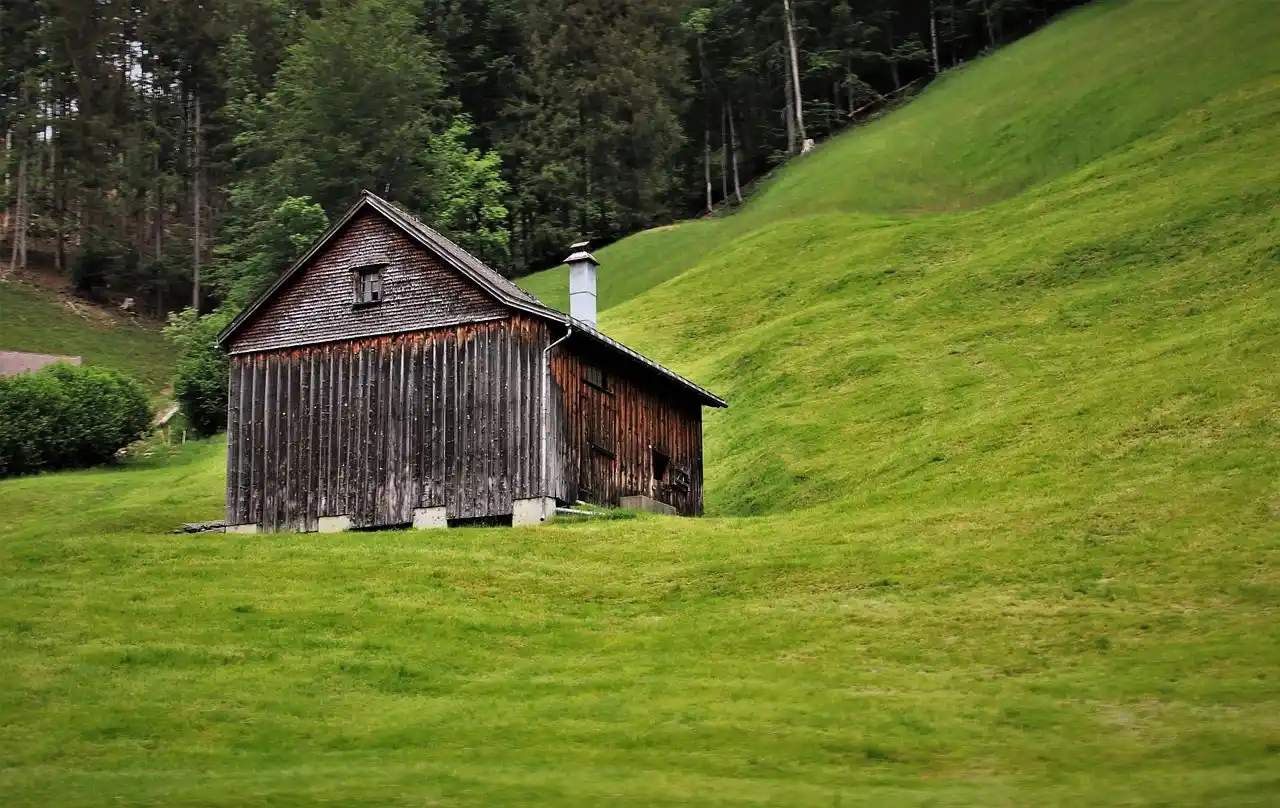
(6, 217)
(724, 157)
(933, 37)
(986, 17)
(893, 60)
(951, 31)
(788, 114)
(59, 181)
(848, 84)
(195, 215)
(733, 146)
(706, 161)
(18, 260)
(157, 221)
(797, 98)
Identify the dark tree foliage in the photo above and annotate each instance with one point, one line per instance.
(146, 142)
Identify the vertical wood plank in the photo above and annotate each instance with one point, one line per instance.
(255, 443)
(453, 481)
(303, 496)
(502, 405)
(519, 459)
(359, 411)
(368, 487)
(296, 461)
(316, 441)
(408, 458)
(431, 446)
(279, 438)
(342, 369)
(483, 412)
(470, 361)
(440, 425)
(392, 432)
(328, 432)
(233, 442)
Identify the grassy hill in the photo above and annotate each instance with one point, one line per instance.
(1095, 82)
(995, 505)
(37, 320)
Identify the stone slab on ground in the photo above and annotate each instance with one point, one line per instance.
(640, 502)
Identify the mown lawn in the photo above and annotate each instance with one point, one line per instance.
(996, 510)
(899, 656)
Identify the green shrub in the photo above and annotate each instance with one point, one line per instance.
(200, 373)
(68, 417)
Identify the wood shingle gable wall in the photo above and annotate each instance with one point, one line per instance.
(316, 306)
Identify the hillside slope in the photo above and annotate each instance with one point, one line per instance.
(35, 319)
(996, 510)
(1102, 77)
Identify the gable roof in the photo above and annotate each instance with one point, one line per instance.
(488, 279)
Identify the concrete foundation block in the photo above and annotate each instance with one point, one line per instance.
(243, 530)
(429, 519)
(532, 511)
(640, 502)
(334, 524)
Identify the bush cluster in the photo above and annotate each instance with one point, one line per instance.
(64, 416)
(201, 370)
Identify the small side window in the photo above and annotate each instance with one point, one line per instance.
(368, 286)
(597, 378)
(661, 465)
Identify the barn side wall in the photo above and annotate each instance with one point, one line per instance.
(374, 428)
(604, 442)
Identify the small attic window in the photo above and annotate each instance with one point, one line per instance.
(368, 283)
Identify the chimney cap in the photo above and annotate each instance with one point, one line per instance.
(581, 255)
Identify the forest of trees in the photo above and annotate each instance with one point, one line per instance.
(183, 152)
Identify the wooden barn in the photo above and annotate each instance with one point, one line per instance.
(390, 378)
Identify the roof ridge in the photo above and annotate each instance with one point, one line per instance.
(466, 256)
(497, 284)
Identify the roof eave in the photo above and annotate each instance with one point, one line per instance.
(705, 396)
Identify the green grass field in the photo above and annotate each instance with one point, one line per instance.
(34, 320)
(995, 506)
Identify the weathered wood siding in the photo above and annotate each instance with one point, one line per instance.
(419, 292)
(604, 439)
(374, 428)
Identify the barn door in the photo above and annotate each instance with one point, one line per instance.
(598, 475)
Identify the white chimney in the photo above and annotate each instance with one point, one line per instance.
(582, 284)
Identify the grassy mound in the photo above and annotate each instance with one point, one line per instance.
(36, 321)
(997, 502)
